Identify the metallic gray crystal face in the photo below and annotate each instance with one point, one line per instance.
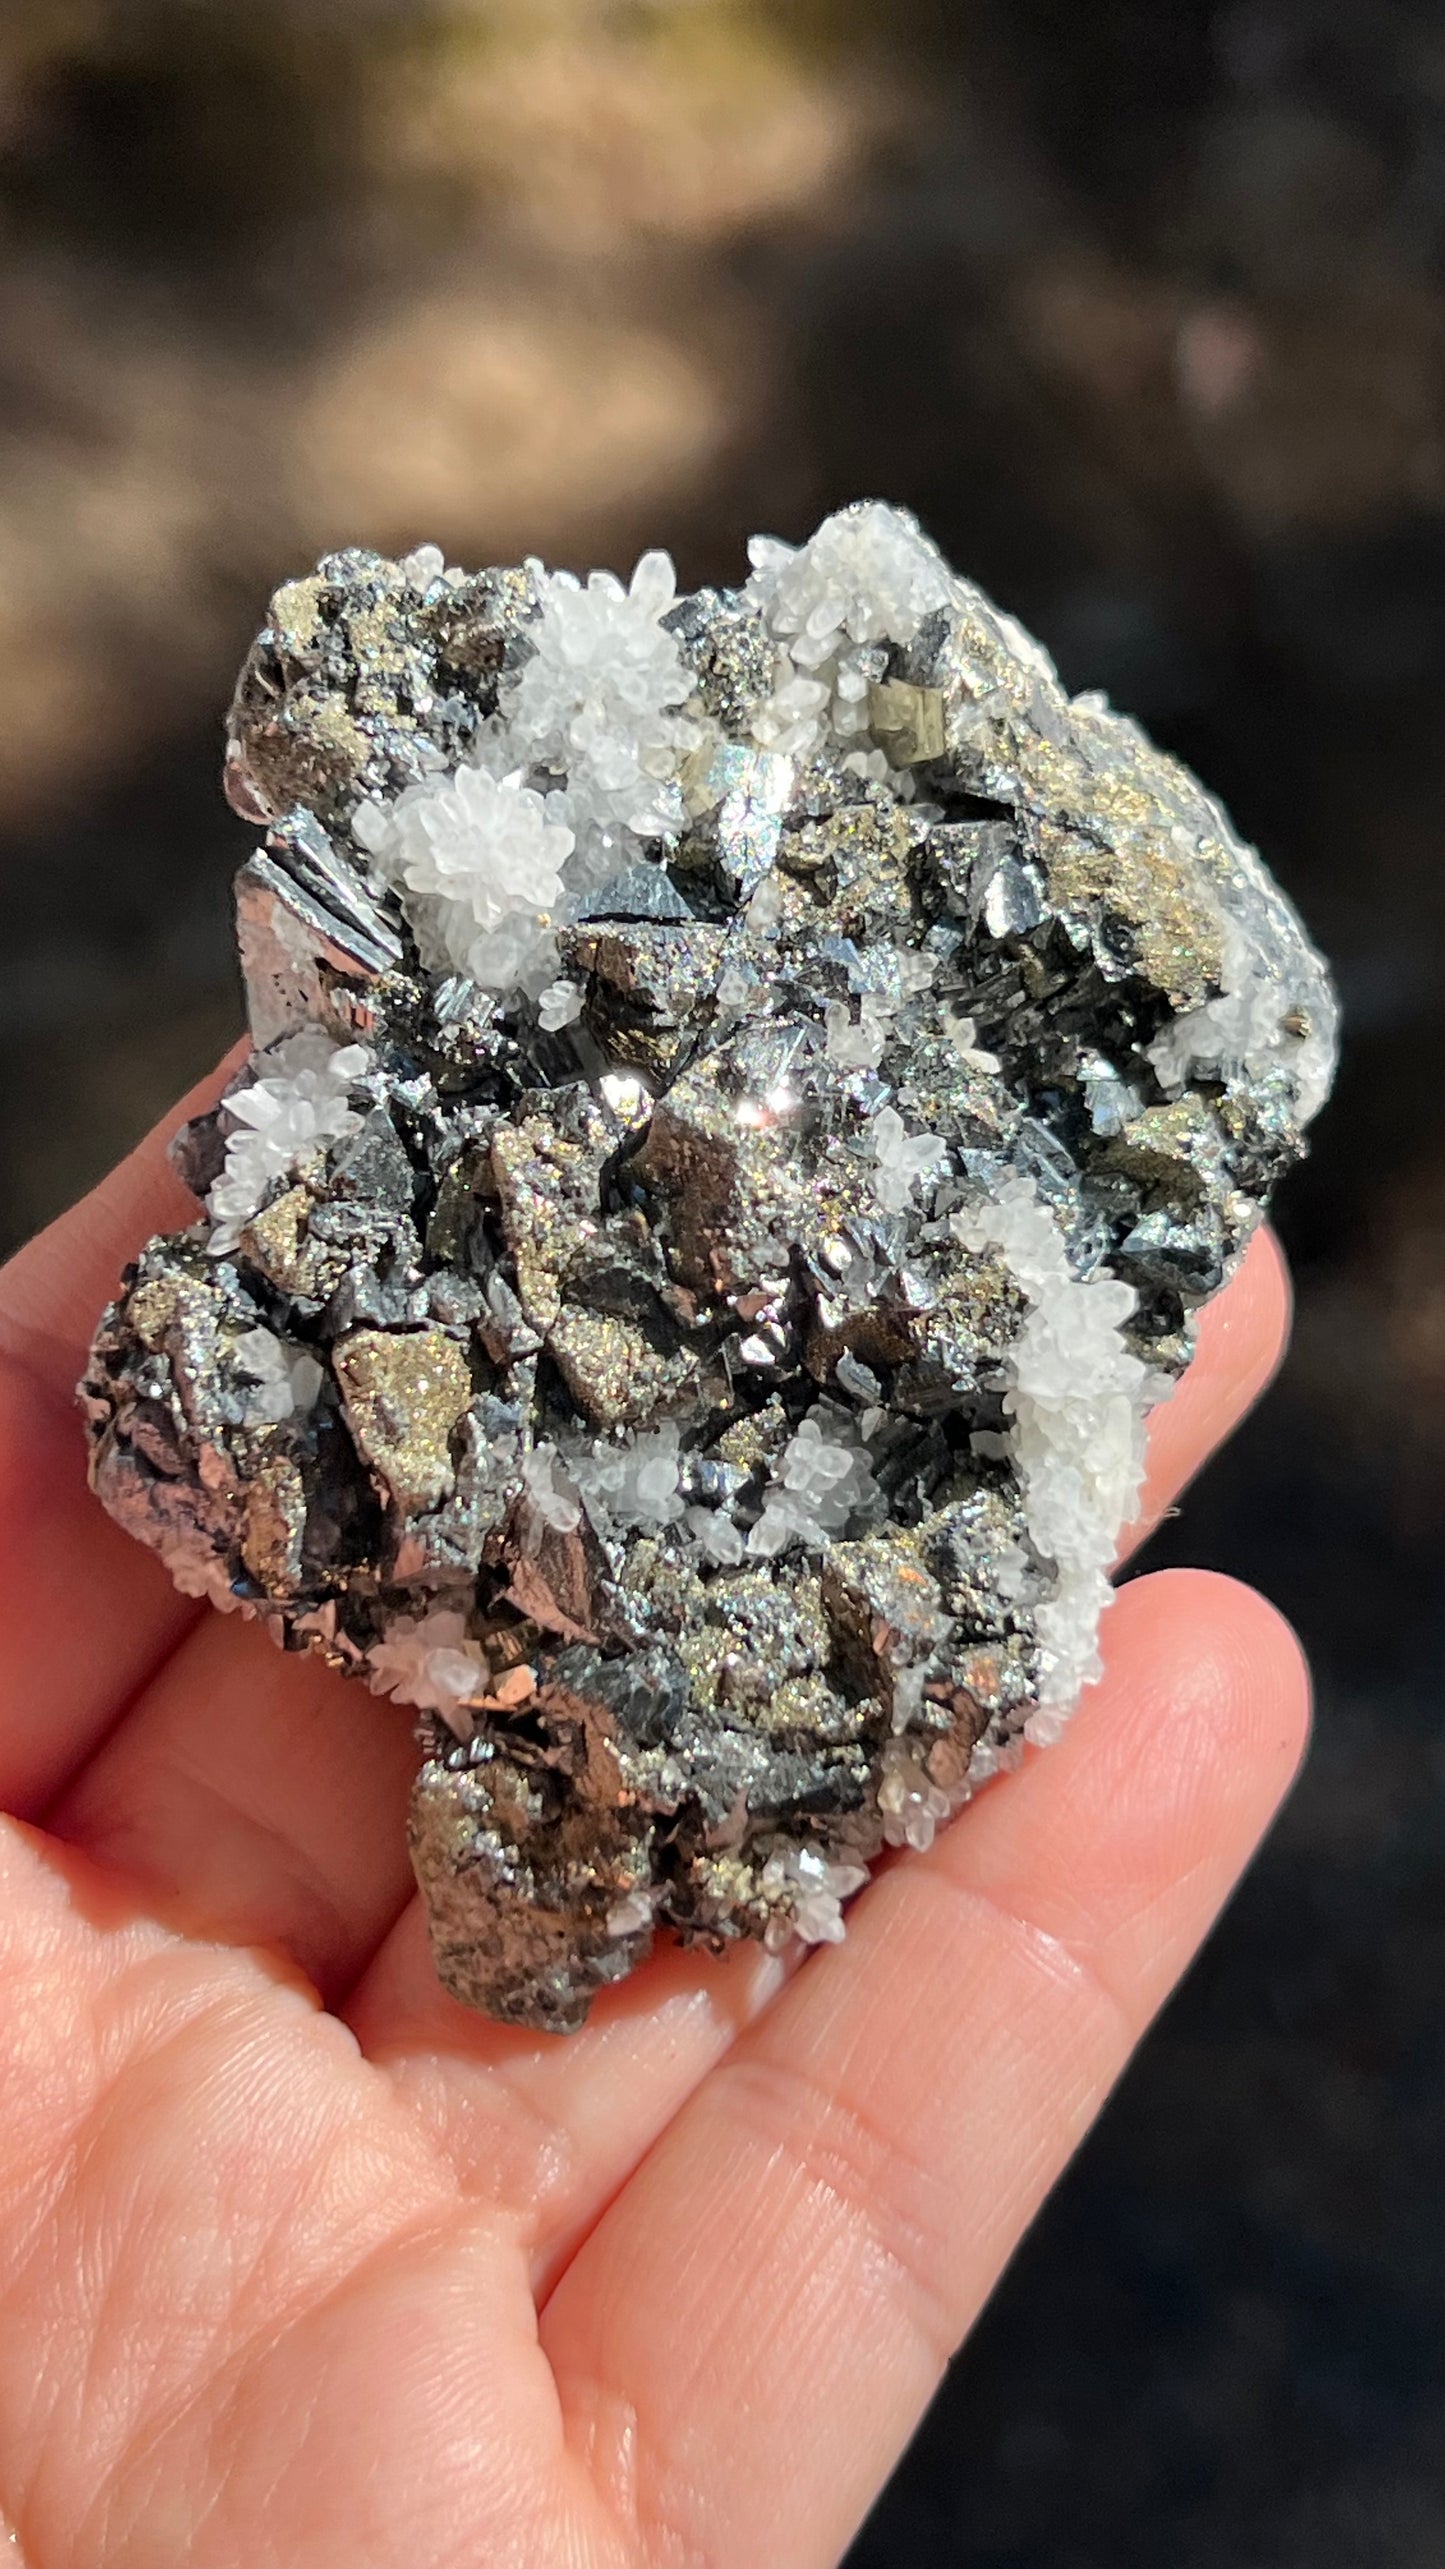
(703, 1374)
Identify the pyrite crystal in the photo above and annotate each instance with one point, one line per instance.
(748, 1093)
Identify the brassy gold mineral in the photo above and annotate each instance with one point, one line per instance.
(748, 1092)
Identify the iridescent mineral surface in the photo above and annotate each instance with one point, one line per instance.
(748, 1092)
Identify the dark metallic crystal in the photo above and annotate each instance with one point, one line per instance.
(1018, 930)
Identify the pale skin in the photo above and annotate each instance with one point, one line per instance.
(304, 2267)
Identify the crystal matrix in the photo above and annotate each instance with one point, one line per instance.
(748, 1092)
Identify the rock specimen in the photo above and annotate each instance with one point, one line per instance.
(748, 1092)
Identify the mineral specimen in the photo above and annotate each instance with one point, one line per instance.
(748, 1092)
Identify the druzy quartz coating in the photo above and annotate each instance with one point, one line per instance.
(748, 1093)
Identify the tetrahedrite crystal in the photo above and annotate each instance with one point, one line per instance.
(748, 1093)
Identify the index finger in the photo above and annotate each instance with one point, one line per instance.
(86, 1616)
(53, 1291)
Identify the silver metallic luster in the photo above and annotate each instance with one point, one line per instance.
(543, 1333)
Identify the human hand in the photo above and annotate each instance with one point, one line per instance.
(304, 2267)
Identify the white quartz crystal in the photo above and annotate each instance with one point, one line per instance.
(869, 574)
(822, 1479)
(1244, 1026)
(904, 1163)
(552, 1494)
(560, 1005)
(810, 1892)
(913, 1807)
(860, 1046)
(635, 1483)
(298, 1105)
(598, 699)
(630, 1917)
(719, 1538)
(287, 1378)
(793, 720)
(430, 1661)
(481, 860)
(1077, 1403)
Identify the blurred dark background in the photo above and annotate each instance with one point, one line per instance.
(1142, 305)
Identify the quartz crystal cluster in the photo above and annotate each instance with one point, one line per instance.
(748, 1092)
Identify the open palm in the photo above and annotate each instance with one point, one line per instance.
(303, 2267)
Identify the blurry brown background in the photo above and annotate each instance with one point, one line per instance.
(1142, 305)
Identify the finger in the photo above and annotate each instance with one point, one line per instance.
(85, 1616)
(547, 2130)
(53, 1291)
(1242, 1337)
(244, 2317)
(258, 1798)
(553, 2128)
(749, 2336)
